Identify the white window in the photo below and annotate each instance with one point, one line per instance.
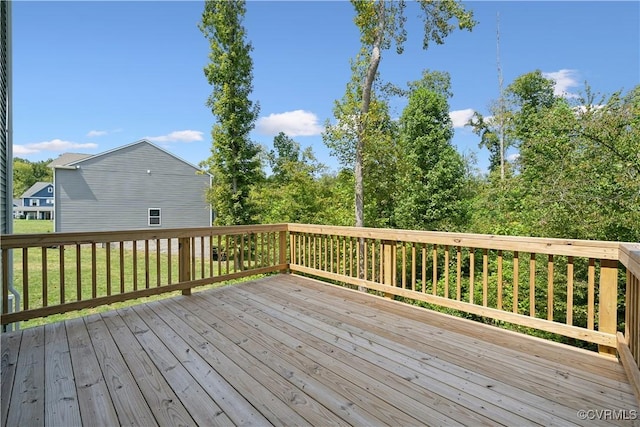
(50, 189)
(154, 216)
(34, 202)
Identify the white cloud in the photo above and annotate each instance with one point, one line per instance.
(93, 133)
(177, 136)
(53, 145)
(564, 80)
(513, 157)
(22, 150)
(459, 118)
(293, 123)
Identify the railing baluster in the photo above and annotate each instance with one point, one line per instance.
(193, 258)
(78, 274)
(485, 277)
(434, 281)
(516, 280)
(358, 272)
(331, 255)
(570, 291)
(459, 274)
(365, 263)
(121, 267)
(404, 265)
(25, 278)
(446, 271)
(158, 263)
(242, 249)
(202, 262)
(550, 288)
(472, 260)
(94, 270)
(373, 261)
(45, 279)
(413, 266)
(325, 240)
(61, 260)
(135, 265)
(591, 281)
(228, 252)
(169, 262)
(499, 302)
(424, 268)
(107, 255)
(147, 275)
(532, 285)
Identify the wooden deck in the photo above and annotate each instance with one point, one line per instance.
(286, 350)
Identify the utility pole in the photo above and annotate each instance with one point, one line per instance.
(501, 99)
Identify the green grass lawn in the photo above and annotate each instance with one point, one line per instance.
(82, 281)
(32, 226)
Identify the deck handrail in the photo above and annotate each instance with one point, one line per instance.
(88, 269)
(629, 342)
(434, 267)
(438, 268)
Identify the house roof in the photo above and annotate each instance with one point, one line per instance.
(67, 158)
(142, 141)
(35, 188)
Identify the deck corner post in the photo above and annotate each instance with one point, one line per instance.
(608, 304)
(184, 262)
(282, 252)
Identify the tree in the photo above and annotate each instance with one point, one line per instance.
(431, 171)
(26, 173)
(381, 23)
(379, 158)
(294, 191)
(285, 152)
(234, 162)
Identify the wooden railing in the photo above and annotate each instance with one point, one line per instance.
(566, 287)
(60, 272)
(629, 343)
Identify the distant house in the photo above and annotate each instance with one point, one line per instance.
(136, 186)
(17, 208)
(37, 202)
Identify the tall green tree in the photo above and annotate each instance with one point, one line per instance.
(431, 172)
(234, 162)
(381, 24)
(379, 159)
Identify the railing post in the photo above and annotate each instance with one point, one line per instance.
(388, 265)
(184, 262)
(608, 304)
(283, 248)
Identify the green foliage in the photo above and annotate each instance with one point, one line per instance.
(234, 162)
(381, 24)
(26, 173)
(294, 192)
(431, 171)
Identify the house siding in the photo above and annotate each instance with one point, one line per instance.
(6, 154)
(114, 192)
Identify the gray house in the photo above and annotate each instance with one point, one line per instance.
(137, 186)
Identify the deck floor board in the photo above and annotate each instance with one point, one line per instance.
(287, 350)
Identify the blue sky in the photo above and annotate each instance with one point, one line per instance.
(91, 76)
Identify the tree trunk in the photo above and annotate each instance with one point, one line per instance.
(367, 86)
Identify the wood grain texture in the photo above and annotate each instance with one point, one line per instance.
(287, 350)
